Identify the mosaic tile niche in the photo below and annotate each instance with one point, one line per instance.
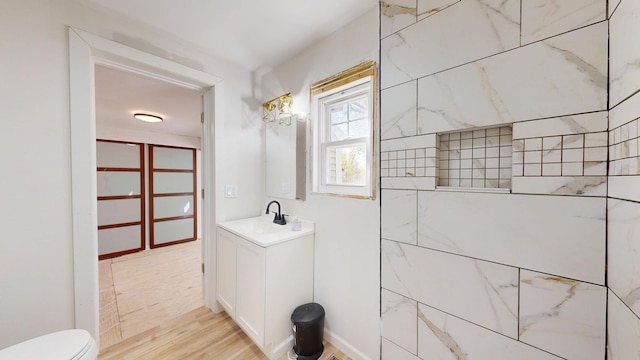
(476, 159)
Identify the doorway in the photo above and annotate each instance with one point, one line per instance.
(86, 50)
(149, 221)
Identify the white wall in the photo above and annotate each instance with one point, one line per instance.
(36, 274)
(346, 281)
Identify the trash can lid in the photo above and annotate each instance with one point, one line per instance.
(307, 314)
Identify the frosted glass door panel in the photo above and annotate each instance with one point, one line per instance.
(119, 239)
(172, 206)
(173, 195)
(169, 158)
(167, 182)
(118, 183)
(118, 211)
(170, 231)
(117, 155)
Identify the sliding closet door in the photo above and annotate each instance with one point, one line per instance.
(172, 187)
(120, 181)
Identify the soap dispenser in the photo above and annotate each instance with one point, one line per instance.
(296, 225)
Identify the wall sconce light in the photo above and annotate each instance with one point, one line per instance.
(268, 112)
(280, 108)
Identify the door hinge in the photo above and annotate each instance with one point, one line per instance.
(202, 117)
(203, 268)
(202, 193)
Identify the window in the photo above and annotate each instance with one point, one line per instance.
(344, 111)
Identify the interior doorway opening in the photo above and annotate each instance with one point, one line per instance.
(149, 223)
(85, 51)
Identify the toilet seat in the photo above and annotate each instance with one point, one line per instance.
(76, 344)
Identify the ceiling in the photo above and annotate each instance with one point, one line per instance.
(252, 33)
(120, 94)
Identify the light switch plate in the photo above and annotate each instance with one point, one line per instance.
(231, 191)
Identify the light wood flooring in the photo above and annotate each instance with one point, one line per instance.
(151, 307)
(142, 290)
(199, 334)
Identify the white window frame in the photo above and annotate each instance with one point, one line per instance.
(321, 132)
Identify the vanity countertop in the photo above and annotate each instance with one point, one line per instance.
(261, 230)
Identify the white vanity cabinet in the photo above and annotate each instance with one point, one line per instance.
(226, 272)
(261, 284)
(251, 290)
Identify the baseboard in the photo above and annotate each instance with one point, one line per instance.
(282, 348)
(344, 346)
(214, 306)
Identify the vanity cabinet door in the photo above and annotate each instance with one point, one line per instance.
(226, 274)
(250, 310)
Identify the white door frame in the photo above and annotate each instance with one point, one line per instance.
(85, 51)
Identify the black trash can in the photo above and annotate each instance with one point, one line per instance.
(308, 330)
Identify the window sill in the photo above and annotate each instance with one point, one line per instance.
(348, 196)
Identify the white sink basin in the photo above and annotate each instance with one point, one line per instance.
(263, 232)
(261, 227)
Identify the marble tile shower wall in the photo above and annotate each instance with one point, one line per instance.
(561, 156)
(517, 275)
(623, 240)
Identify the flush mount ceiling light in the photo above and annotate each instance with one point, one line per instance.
(148, 117)
(280, 108)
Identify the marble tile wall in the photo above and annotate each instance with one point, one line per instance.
(427, 8)
(624, 49)
(444, 336)
(562, 75)
(624, 154)
(495, 28)
(564, 236)
(416, 273)
(624, 146)
(398, 113)
(543, 18)
(396, 15)
(561, 156)
(624, 252)
(552, 315)
(395, 352)
(400, 320)
(623, 330)
(399, 216)
(409, 162)
(519, 273)
(624, 172)
(613, 5)
(623, 228)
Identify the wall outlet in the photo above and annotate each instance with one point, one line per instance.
(286, 187)
(231, 191)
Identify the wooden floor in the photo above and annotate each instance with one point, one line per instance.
(151, 307)
(199, 334)
(142, 290)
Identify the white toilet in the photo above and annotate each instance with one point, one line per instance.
(73, 344)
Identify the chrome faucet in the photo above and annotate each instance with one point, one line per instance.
(279, 217)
